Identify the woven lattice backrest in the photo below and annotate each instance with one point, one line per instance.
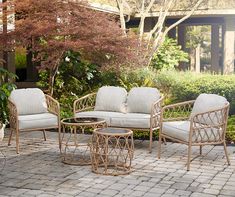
(156, 113)
(210, 126)
(86, 103)
(180, 111)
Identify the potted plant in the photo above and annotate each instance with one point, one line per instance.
(6, 86)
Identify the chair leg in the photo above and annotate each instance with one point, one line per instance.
(159, 146)
(59, 136)
(189, 157)
(200, 149)
(17, 142)
(10, 137)
(44, 135)
(150, 140)
(226, 153)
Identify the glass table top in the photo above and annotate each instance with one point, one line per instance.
(110, 130)
(82, 120)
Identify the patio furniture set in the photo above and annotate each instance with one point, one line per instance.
(113, 114)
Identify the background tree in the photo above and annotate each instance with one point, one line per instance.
(198, 41)
(155, 38)
(50, 28)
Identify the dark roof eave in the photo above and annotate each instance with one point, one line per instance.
(198, 13)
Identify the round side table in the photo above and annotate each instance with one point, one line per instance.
(73, 148)
(112, 151)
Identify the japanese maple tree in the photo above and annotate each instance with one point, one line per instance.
(49, 28)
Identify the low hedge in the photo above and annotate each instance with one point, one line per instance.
(183, 86)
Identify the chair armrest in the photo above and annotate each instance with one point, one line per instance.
(53, 105)
(13, 115)
(156, 112)
(84, 103)
(178, 111)
(209, 126)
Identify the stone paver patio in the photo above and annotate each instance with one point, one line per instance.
(38, 171)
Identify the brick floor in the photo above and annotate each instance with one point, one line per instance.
(38, 171)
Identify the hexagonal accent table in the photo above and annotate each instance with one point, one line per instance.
(112, 151)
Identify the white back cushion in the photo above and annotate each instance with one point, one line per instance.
(208, 102)
(111, 98)
(29, 101)
(141, 99)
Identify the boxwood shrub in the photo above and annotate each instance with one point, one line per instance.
(183, 86)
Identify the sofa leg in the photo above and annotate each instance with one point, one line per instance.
(226, 153)
(150, 140)
(164, 140)
(44, 135)
(200, 149)
(159, 146)
(10, 137)
(17, 142)
(189, 157)
(59, 136)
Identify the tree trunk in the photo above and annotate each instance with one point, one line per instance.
(192, 56)
(198, 58)
(121, 15)
(53, 73)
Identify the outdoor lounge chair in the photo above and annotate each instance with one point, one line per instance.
(31, 110)
(196, 123)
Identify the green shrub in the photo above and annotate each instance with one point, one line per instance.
(74, 79)
(137, 78)
(183, 86)
(20, 58)
(6, 86)
(169, 55)
(230, 135)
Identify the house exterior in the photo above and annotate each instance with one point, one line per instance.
(219, 14)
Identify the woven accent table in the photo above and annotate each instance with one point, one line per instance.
(73, 148)
(112, 151)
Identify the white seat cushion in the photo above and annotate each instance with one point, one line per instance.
(44, 120)
(180, 130)
(206, 103)
(111, 98)
(116, 119)
(99, 114)
(131, 120)
(140, 100)
(29, 101)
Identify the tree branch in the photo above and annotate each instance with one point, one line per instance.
(121, 15)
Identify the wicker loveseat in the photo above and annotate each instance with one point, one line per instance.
(139, 109)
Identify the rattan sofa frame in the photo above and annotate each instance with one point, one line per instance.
(171, 113)
(87, 103)
(53, 107)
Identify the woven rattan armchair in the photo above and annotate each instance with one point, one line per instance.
(22, 121)
(183, 124)
(87, 103)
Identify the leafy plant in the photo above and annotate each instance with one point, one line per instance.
(75, 78)
(136, 78)
(168, 55)
(20, 58)
(6, 86)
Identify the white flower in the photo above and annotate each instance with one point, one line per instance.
(67, 59)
